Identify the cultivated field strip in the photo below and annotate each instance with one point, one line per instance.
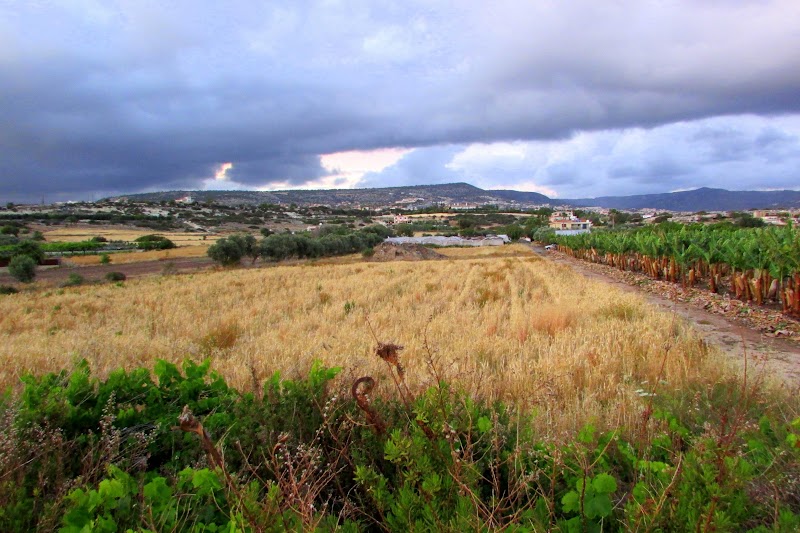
(514, 328)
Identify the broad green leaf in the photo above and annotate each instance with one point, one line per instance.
(571, 502)
(157, 490)
(604, 484)
(599, 506)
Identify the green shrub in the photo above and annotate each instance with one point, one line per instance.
(105, 259)
(8, 289)
(116, 276)
(154, 242)
(22, 268)
(8, 240)
(317, 454)
(9, 230)
(73, 280)
(29, 248)
(229, 251)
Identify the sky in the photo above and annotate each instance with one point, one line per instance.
(570, 98)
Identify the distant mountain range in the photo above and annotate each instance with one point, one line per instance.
(703, 199)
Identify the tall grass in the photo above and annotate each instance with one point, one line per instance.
(516, 328)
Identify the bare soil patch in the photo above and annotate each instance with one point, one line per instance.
(57, 275)
(404, 252)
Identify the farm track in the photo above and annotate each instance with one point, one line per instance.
(97, 272)
(735, 337)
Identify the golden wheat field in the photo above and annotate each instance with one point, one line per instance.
(121, 258)
(517, 328)
(188, 244)
(82, 233)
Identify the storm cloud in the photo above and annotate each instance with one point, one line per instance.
(560, 97)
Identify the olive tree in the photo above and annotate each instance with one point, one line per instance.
(23, 268)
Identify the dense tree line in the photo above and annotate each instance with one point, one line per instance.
(340, 241)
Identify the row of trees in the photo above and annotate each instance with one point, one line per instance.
(757, 265)
(231, 250)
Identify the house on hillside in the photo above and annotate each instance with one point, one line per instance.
(566, 221)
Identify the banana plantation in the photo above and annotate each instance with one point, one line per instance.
(758, 265)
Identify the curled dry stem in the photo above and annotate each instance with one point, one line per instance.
(360, 389)
(189, 423)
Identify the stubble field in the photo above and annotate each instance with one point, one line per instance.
(511, 327)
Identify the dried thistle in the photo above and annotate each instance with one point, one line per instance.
(389, 353)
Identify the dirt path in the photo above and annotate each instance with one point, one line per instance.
(57, 275)
(735, 338)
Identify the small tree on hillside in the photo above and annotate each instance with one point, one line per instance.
(227, 251)
(23, 268)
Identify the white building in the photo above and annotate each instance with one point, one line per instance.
(567, 221)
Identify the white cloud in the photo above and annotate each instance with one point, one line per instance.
(737, 152)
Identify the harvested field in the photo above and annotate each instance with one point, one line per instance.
(122, 258)
(82, 233)
(516, 328)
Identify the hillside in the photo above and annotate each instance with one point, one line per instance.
(417, 195)
(703, 199)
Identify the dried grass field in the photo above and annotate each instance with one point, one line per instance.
(510, 326)
(81, 233)
(188, 244)
(124, 258)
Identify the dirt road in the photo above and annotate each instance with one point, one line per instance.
(57, 275)
(735, 338)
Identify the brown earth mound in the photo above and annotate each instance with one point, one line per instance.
(404, 252)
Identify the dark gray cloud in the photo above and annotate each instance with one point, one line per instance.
(113, 97)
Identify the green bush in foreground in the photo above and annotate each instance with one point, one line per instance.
(86, 454)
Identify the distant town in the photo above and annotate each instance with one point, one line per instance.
(410, 212)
